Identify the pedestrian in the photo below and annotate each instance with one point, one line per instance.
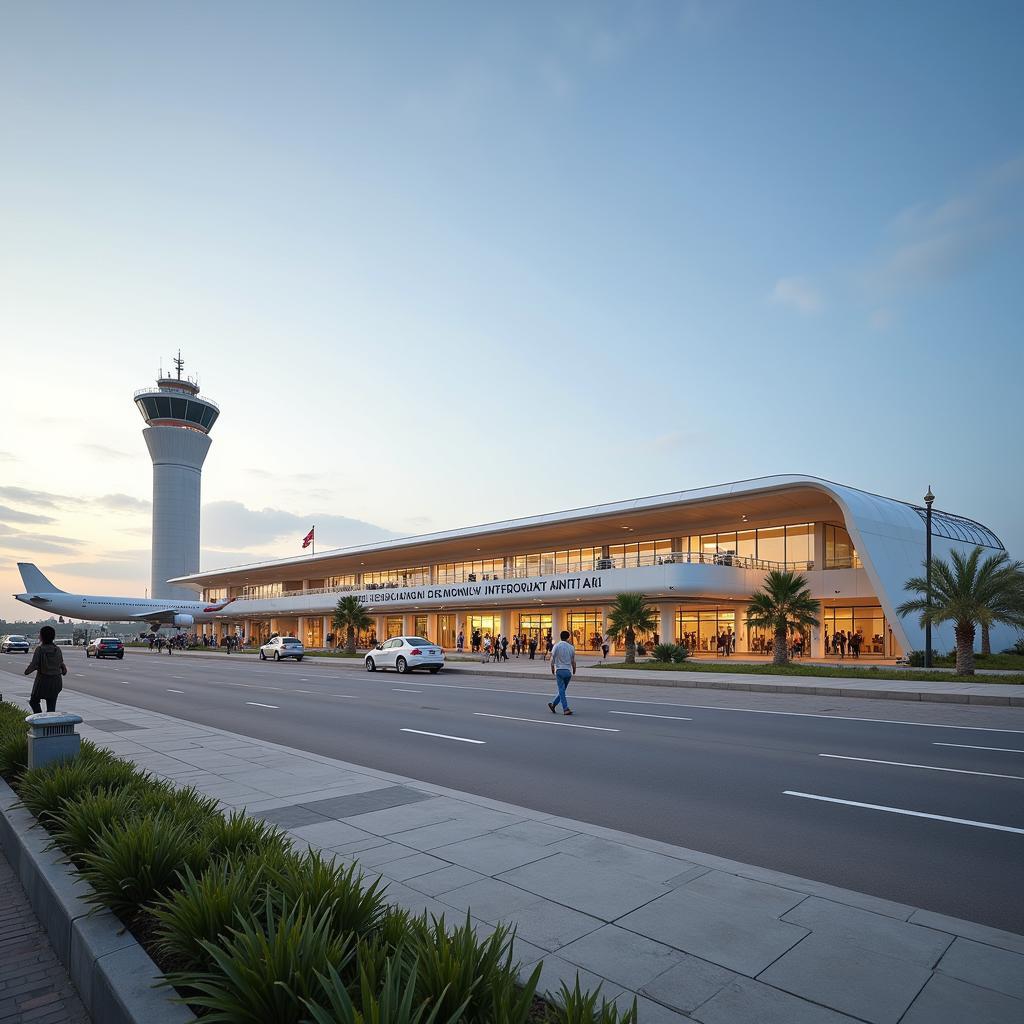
(460, 642)
(563, 667)
(486, 649)
(504, 648)
(605, 648)
(48, 664)
(548, 646)
(533, 648)
(842, 643)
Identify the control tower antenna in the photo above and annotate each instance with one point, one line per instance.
(178, 423)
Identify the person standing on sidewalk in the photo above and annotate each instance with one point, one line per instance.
(48, 664)
(563, 668)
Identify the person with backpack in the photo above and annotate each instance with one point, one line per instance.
(48, 664)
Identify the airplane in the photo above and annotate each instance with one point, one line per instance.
(42, 594)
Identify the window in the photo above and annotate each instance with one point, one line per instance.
(800, 545)
(771, 544)
(419, 625)
(627, 556)
(460, 572)
(839, 550)
(393, 625)
(409, 577)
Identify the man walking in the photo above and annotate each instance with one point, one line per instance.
(563, 668)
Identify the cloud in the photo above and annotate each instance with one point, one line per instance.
(108, 453)
(107, 567)
(14, 515)
(43, 499)
(797, 293)
(124, 503)
(25, 544)
(230, 525)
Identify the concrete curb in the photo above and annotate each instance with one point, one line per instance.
(114, 975)
(707, 682)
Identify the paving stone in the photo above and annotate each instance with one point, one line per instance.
(370, 800)
(595, 889)
(922, 946)
(393, 820)
(985, 966)
(623, 957)
(445, 833)
(538, 832)
(648, 1011)
(381, 855)
(688, 984)
(409, 867)
(555, 972)
(946, 1000)
(451, 876)
(653, 866)
(291, 816)
(744, 1001)
(550, 925)
(490, 899)
(739, 938)
(744, 892)
(848, 978)
(492, 853)
(329, 833)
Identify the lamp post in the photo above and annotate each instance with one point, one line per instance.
(928, 499)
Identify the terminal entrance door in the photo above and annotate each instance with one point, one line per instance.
(484, 624)
(446, 630)
(536, 626)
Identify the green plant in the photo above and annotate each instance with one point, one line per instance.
(351, 615)
(915, 659)
(457, 969)
(389, 1000)
(629, 615)
(76, 828)
(326, 883)
(269, 967)
(43, 790)
(665, 652)
(205, 908)
(782, 604)
(238, 834)
(136, 861)
(13, 755)
(682, 653)
(572, 1006)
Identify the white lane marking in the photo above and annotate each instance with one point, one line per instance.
(970, 746)
(929, 767)
(749, 711)
(306, 691)
(398, 689)
(640, 714)
(169, 690)
(348, 696)
(177, 677)
(546, 721)
(257, 704)
(127, 682)
(903, 810)
(444, 736)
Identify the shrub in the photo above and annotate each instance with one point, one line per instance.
(13, 755)
(457, 969)
(1018, 647)
(575, 1007)
(664, 652)
(136, 861)
(682, 653)
(43, 790)
(78, 825)
(269, 967)
(239, 834)
(916, 659)
(320, 882)
(204, 910)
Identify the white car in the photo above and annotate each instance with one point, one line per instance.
(14, 643)
(283, 647)
(404, 653)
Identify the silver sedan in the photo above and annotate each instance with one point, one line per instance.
(282, 647)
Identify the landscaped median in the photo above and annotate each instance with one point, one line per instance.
(239, 927)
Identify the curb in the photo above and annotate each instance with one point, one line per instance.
(114, 975)
(710, 683)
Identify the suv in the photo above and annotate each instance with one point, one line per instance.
(14, 643)
(105, 647)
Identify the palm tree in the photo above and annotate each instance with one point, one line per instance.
(351, 615)
(782, 604)
(969, 592)
(629, 615)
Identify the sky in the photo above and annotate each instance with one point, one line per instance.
(447, 263)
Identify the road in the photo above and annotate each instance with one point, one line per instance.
(906, 807)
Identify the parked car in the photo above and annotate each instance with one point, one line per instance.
(105, 647)
(64, 641)
(404, 653)
(14, 644)
(283, 647)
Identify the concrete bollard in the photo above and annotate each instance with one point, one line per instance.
(52, 737)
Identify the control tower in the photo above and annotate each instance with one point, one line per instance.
(178, 437)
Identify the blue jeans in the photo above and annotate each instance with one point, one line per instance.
(562, 677)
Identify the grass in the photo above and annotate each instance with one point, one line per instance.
(1012, 662)
(819, 671)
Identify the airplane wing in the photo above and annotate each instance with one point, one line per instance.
(164, 615)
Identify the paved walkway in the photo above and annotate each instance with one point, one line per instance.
(998, 694)
(34, 987)
(695, 937)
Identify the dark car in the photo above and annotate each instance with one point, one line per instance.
(105, 647)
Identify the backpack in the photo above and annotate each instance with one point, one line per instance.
(50, 660)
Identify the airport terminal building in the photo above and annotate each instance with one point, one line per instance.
(698, 555)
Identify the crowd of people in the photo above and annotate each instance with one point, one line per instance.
(843, 641)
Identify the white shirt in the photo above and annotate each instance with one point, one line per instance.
(562, 655)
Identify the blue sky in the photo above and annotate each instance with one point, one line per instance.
(445, 263)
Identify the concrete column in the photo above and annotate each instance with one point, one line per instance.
(325, 628)
(667, 623)
(558, 621)
(301, 627)
(432, 628)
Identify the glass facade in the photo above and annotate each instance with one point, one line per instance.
(392, 626)
(699, 629)
(419, 626)
(486, 625)
(644, 552)
(172, 407)
(408, 577)
(447, 632)
(535, 625)
(839, 549)
(463, 572)
(869, 621)
(314, 631)
(585, 630)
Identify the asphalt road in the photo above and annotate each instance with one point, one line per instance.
(723, 779)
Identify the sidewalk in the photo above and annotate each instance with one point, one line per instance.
(34, 986)
(997, 694)
(694, 936)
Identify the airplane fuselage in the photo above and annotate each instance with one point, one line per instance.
(99, 608)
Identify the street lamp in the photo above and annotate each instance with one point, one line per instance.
(928, 499)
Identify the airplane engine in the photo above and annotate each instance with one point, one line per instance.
(183, 620)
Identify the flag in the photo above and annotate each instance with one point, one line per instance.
(308, 539)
